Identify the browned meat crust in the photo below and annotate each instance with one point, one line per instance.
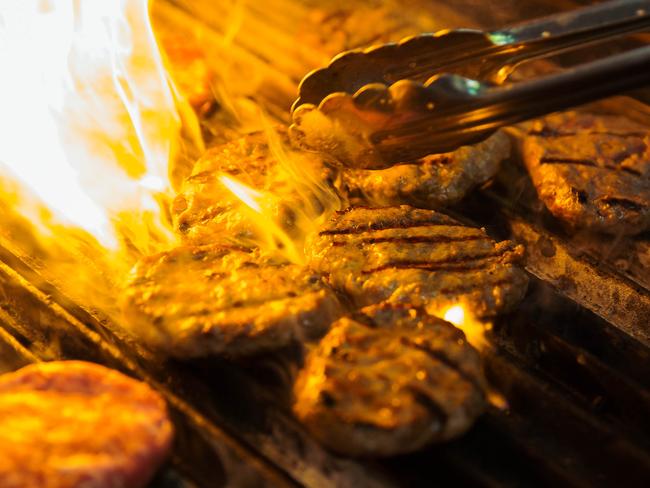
(205, 211)
(421, 257)
(213, 299)
(430, 182)
(388, 382)
(71, 424)
(592, 171)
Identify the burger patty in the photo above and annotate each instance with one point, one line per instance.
(389, 381)
(205, 210)
(215, 299)
(430, 182)
(72, 424)
(592, 171)
(415, 256)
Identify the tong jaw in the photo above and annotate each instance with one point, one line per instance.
(354, 108)
(364, 130)
(376, 107)
(413, 58)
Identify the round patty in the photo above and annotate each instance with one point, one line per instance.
(77, 424)
(420, 257)
(389, 381)
(205, 210)
(433, 181)
(198, 300)
(592, 171)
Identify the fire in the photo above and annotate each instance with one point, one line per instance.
(304, 196)
(270, 235)
(473, 328)
(247, 195)
(455, 315)
(89, 118)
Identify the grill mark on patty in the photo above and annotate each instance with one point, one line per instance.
(440, 239)
(221, 251)
(425, 267)
(364, 319)
(459, 290)
(588, 162)
(626, 203)
(430, 404)
(406, 341)
(435, 160)
(442, 358)
(471, 263)
(386, 226)
(350, 209)
(630, 152)
(388, 306)
(186, 220)
(205, 176)
(550, 133)
(261, 302)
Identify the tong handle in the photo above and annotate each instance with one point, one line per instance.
(481, 113)
(569, 30)
(599, 19)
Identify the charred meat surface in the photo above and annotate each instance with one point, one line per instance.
(389, 381)
(434, 181)
(421, 257)
(70, 424)
(205, 211)
(592, 171)
(198, 300)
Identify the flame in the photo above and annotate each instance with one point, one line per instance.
(473, 328)
(455, 315)
(89, 118)
(497, 400)
(271, 237)
(305, 195)
(247, 195)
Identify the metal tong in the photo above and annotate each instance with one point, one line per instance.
(434, 92)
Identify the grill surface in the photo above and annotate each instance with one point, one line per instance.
(572, 362)
(576, 386)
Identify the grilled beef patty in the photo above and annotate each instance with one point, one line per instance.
(389, 381)
(430, 182)
(70, 424)
(198, 300)
(592, 171)
(205, 211)
(421, 257)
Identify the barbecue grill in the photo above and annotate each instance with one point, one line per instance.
(570, 367)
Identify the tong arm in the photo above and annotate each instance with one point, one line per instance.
(484, 56)
(380, 126)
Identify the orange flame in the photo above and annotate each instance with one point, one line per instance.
(89, 119)
(310, 199)
(272, 238)
(473, 328)
(247, 195)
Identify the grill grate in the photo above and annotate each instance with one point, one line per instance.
(576, 385)
(572, 362)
